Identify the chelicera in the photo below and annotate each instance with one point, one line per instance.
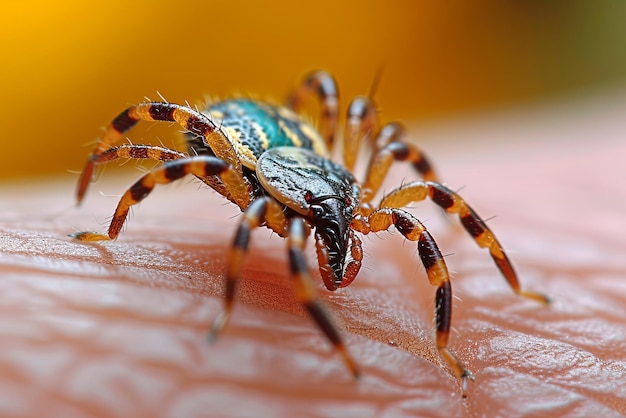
(277, 169)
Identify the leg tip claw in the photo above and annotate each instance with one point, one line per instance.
(90, 236)
(539, 297)
(355, 370)
(211, 337)
(217, 327)
(467, 375)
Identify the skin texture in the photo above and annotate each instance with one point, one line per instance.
(118, 329)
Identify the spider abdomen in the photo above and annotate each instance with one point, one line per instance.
(253, 127)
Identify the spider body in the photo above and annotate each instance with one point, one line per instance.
(318, 189)
(277, 169)
(285, 157)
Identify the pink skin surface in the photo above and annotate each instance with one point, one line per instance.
(118, 329)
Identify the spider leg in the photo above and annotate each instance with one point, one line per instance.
(201, 166)
(305, 291)
(260, 210)
(152, 152)
(143, 152)
(190, 119)
(436, 269)
(324, 85)
(475, 226)
(390, 148)
(360, 122)
(267, 210)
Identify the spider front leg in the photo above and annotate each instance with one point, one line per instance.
(360, 122)
(151, 152)
(139, 152)
(266, 210)
(390, 147)
(475, 226)
(201, 166)
(436, 269)
(305, 291)
(123, 151)
(190, 119)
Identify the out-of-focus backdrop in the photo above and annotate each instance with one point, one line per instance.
(68, 67)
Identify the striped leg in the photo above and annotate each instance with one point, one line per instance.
(116, 153)
(451, 202)
(305, 291)
(141, 152)
(152, 152)
(389, 148)
(360, 122)
(262, 210)
(324, 85)
(201, 166)
(413, 230)
(190, 119)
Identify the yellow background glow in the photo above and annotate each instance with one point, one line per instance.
(69, 67)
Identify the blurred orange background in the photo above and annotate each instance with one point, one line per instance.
(69, 67)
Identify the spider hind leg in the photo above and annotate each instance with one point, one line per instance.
(204, 166)
(190, 119)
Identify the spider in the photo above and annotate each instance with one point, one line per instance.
(276, 168)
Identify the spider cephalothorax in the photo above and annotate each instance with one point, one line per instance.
(277, 169)
(322, 191)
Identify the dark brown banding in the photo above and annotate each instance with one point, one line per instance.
(123, 122)
(198, 126)
(506, 268)
(428, 250)
(403, 223)
(139, 151)
(254, 215)
(473, 224)
(443, 304)
(139, 191)
(142, 152)
(162, 111)
(441, 195)
(242, 237)
(174, 171)
(323, 321)
(297, 263)
(399, 150)
(423, 166)
(216, 166)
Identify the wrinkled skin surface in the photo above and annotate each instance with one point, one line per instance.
(118, 329)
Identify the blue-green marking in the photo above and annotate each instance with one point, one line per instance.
(247, 117)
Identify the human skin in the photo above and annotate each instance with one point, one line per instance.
(119, 328)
